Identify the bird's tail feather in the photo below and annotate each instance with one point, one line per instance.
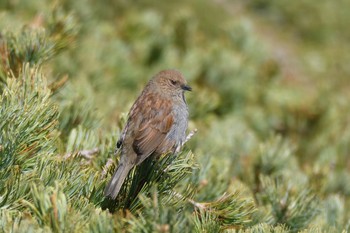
(114, 186)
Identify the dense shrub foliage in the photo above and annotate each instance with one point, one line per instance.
(270, 99)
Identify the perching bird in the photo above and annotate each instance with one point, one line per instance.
(156, 124)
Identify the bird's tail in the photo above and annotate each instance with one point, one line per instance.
(113, 187)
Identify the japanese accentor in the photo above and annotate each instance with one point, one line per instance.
(156, 124)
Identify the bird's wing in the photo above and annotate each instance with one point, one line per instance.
(154, 127)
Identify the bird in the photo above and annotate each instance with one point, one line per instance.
(156, 124)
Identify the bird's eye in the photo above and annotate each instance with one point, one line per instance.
(173, 82)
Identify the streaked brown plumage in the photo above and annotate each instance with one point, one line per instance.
(157, 124)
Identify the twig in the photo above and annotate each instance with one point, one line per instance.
(87, 154)
(189, 136)
(106, 168)
(191, 201)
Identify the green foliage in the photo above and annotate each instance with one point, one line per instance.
(229, 211)
(206, 222)
(159, 216)
(35, 44)
(264, 228)
(293, 208)
(271, 152)
(28, 132)
(49, 207)
(165, 173)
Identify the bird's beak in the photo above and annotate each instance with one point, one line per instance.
(186, 87)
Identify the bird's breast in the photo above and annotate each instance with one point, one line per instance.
(177, 132)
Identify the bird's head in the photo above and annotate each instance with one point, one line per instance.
(170, 82)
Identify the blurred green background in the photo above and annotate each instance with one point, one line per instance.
(270, 96)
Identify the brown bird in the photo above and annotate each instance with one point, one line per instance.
(156, 124)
